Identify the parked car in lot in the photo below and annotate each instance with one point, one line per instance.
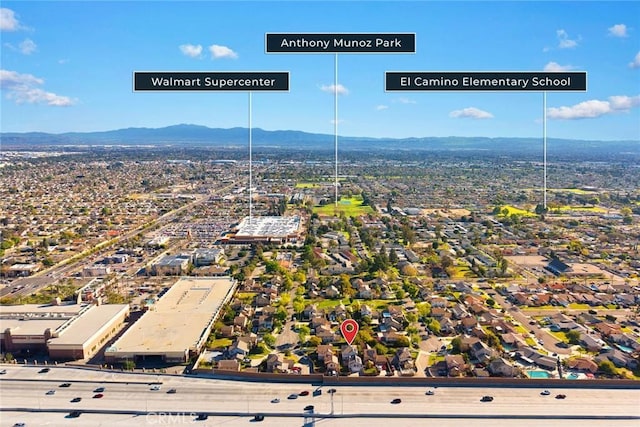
(172, 391)
(44, 370)
(561, 396)
(292, 396)
(74, 414)
(76, 399)
(99, 390)
(487, 399)
(275, 400)
(65, 385)
(258, 417)
(396, 401)
(430, 393)
(98, 396)
(202, 417)
(154, 388)
(304, 393)
(309, 408)
(545, 392)
(2, 372)
(50, 392)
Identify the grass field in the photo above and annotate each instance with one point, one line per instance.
(461, 272)
(571, 190)
(514, 210)
(349, 206)
(581, 208)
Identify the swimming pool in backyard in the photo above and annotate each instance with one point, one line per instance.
(538, 374)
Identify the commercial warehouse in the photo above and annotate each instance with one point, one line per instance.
(89, 332)
(65, 331)
(178, 324)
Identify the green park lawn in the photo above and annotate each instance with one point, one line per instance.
(351, 207)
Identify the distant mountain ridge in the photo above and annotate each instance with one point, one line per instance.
(189, 134)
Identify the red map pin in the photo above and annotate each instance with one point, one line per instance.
(349, 329)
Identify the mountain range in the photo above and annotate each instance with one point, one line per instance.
(196, 135)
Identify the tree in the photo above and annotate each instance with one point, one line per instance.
(608, 368)
(269, 339)
(434, 326)
(456, 343)
(573, 336)
(128, 365)
(303, 333)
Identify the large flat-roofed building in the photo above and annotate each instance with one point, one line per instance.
(89, 332)
(66, 331)
(28, 327)
(177, 325)
(267, 229)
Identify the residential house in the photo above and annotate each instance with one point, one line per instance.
(403, 361)
(278, 363)
(501, 368)
(583, 364)
(456, 365)
(618, 358)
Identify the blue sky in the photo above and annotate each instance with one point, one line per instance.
(67, 66)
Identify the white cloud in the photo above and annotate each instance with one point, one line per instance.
(554, 66)
(191, 50)
(405, 101)
(564, 42)
(23, 89)
(636, 61)
(27, 46)
(339, 89)
(8, 20)
(472, 113)
(595, 108)
(218, 51)
(381, 107)
(618, 30)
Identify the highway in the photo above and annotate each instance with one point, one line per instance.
(128, 400)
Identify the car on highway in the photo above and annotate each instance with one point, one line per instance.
(172, 391)
(98, 396)
(396, 401)
(50, 392)
(99, 390)
(275, 400)
(304, 393)
(44, 370)
(292, 396)
(561, 396)
(155, 388)
(65, 385)
(487, 399)
(545, 392)
(76, 399)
